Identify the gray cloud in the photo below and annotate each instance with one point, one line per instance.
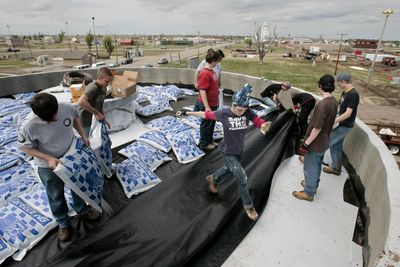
(357, 18)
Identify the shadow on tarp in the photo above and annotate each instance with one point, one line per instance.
(178, 222)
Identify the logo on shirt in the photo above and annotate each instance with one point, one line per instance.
(21, 138)
(67, 122)
(237, 123)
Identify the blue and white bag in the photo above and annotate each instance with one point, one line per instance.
(22, 227)
(5, 250)
(184, 147)
(156, 139)
(135, 177)
(192, 121)
(172, 92)
(100, 142)
(7, 160)
(24, 97)
(81, 172)
(162, 123)
(149, 155)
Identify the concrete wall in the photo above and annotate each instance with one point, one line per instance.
(380, 177)
(368, 155)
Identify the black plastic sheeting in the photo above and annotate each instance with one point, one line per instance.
(178, 222)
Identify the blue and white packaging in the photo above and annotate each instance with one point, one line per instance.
(22, 227)
(81, 172)
(7, 160)
(5, 250)
(192, 121)
(149, 155)
(156, 139)
(100, 142)
(135, 177)
(161, 124)
(184, 147)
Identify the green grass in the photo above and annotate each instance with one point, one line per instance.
(14, 65)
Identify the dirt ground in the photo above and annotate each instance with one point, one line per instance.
(379, 105)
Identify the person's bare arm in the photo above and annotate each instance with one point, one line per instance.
(344, 116)
(78, 127)
(84, 103)
(52, 161)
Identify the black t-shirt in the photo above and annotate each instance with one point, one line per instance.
(349, 99)
(302, 98)
(271, 90)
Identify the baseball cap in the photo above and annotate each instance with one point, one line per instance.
(344, 76)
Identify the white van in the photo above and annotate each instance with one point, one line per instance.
(81, 67)
(95, 65)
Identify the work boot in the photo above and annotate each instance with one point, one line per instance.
(212, 186)
(214, 143)
(90, 215)
(302, 195)
(208, 147)
(64, 234)
(252, 213)
(331, 170)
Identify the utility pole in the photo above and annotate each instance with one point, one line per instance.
(69, 38)
(340, 47)
(198, 44)
(11, 39)
(116, 51)
(95, 40)
(387, 13)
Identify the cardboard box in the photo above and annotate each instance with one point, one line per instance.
(124, 85)
(77, 91)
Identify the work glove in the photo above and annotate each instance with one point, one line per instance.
(265, 127)
(181, 112)
(303, 149)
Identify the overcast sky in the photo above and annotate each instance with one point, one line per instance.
(309, 18)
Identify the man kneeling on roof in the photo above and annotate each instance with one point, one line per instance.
(235, 121)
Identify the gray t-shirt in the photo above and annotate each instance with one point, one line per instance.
(95, 95)
(234, 129)
(52, 138)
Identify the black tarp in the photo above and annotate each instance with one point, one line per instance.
(178, 222)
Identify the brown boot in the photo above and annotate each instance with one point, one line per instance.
(331, 170)
(252, 213)
(90, 215)
(211, 184)
(208, 147)
(302, 195)
(64, 234)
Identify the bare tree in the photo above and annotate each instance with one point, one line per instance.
(264, 39)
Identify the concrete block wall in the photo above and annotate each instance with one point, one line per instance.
(368, 155)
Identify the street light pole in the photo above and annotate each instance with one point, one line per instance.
(198, 44)
(69, 37)
(387, 13)
(340, 47)
(95, 39)
(11, 39)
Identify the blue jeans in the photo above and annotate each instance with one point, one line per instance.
(336, 145)
(206, 126)
(232, 164)
(312, 171)
(55, 193)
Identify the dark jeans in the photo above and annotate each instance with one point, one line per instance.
(233, 165)
(55, 193)
(305, 111)
(206, 126)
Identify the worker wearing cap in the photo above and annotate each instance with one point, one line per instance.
(346, 118)
(270, 93)
(235, 121)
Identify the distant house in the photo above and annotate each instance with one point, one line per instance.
(365, 44)
(127, 42)
(74, 58)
